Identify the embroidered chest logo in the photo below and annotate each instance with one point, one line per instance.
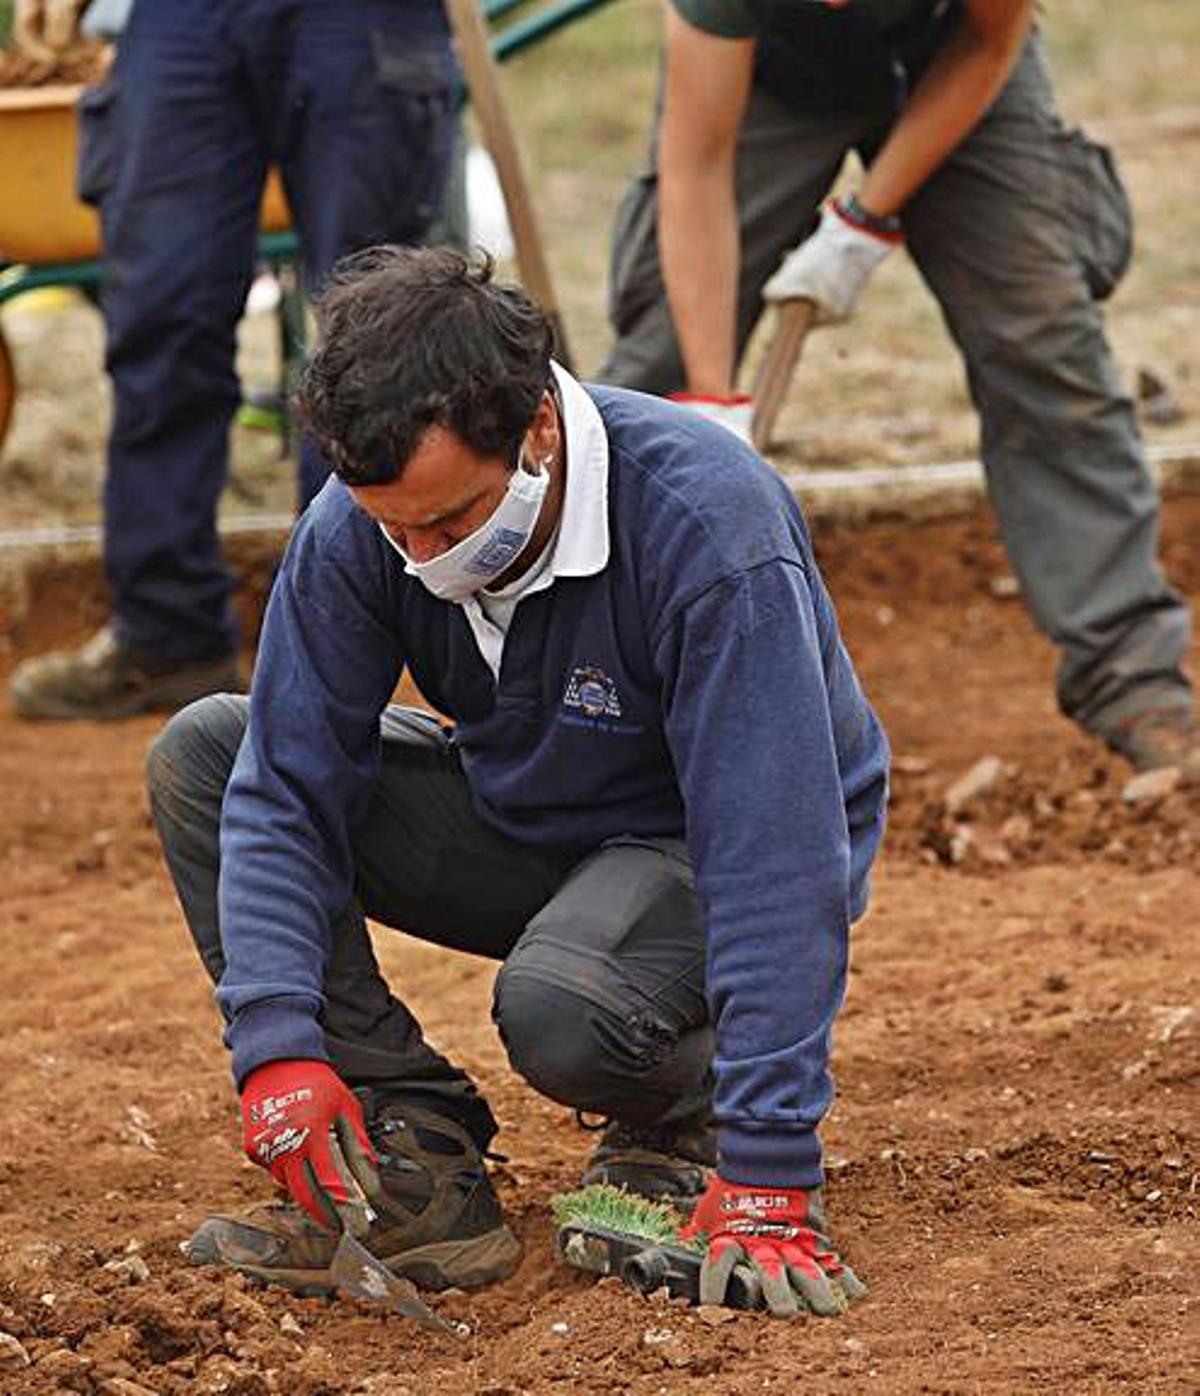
(591, 692)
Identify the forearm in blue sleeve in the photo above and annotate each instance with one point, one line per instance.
(326, 668)
(753, 741)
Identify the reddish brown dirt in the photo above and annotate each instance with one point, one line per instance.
(1013, 1156)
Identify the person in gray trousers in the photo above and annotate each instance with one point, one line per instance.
(1019, 225)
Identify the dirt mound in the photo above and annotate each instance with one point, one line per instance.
(946, 647)
(1075, 809)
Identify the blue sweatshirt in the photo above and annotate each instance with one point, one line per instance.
(696, 687)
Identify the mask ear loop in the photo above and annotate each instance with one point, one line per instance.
(548, 459)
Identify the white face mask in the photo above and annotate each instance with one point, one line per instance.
(482, 556)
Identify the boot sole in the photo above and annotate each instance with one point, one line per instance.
(167, 694)
(465, 1264)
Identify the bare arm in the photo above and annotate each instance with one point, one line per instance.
(706, 86)
(956, 89)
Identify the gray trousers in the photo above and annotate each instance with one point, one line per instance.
(1018, 235)
(600, 996)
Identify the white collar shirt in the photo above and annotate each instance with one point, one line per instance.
(580, 544)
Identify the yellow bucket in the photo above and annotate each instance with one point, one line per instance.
(41, 220)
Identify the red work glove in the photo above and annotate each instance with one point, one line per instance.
(780, 1234)
(303, 1124)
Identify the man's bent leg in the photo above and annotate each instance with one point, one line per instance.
(601, 1006)
(372, 1039)
(999, 238)
(438, 1220)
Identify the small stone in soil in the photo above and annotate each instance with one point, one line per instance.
(121, 1386)
(63, 1365)
(1151, 786)
(131, 1268)
(973, 783)
(12, 1353)
(714, 1314)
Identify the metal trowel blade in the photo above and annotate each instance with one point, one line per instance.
(357, 1272)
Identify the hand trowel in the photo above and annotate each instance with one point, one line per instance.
(361, 1275)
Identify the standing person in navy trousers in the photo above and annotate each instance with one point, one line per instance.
(355, 104)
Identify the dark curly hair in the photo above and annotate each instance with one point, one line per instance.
(411, 338)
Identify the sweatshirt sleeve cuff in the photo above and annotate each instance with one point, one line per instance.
(768, 1156)
(274, 1030)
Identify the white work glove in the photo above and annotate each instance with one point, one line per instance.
(832, 266)
(732, 413)
(44, 28)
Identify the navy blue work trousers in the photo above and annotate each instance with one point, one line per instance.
(355, 103)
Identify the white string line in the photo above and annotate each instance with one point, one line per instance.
(847, 483)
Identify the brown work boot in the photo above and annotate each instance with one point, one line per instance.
(666, 1163)
(1158, 738)
(439, 1222)
(105, 679)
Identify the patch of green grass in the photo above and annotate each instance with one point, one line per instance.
(617, 1210)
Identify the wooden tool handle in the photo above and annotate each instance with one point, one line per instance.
(793, 320)
(483, 83)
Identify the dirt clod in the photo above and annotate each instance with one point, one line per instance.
(122, 1386)
(66, 1368)
(130, 1268)
(973, 783)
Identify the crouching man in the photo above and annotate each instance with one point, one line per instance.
(655, 801)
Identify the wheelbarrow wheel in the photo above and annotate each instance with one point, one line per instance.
(8, 388)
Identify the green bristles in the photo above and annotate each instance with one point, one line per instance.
(614, 1209)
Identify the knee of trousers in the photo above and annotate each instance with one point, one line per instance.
(193, 754)
(546, 1032)
(575, 1049)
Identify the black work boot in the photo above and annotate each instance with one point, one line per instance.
(106, 679)
(665, 1162)
(439, 1222)
(1160, 737)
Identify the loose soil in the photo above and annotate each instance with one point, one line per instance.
(1013, 1155)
